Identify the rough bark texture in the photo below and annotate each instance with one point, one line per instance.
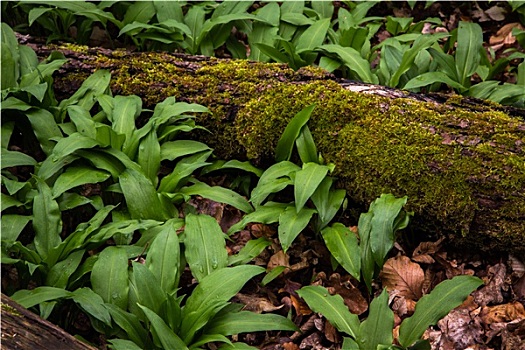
(23, 330)
(460, 161)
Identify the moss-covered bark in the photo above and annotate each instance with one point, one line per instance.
(463, 168)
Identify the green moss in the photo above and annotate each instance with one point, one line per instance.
(451, 162)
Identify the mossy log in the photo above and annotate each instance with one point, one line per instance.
(24, 330)
(460, 161)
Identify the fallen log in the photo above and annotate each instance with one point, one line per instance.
(24, 330)
(460, 161)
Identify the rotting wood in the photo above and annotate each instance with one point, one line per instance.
(485, 208)
(24, 330)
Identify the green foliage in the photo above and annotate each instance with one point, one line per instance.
(376, 330)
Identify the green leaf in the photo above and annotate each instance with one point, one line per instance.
(15, 158)
(245, 321)
(12, 225)
(92, 304)
(184, 168)
(167, 337)
(49, 167)
(45, 128)
(307, 180)
(94, 86)
(141, 11)
(130, 324)
(386, 209)
(104, 161)
(47, 221)
(432, 307)
(124, 344)
(30, 298)
(76, 176)
(175, 149)
(218, 194)
(325, 9)
(109, 277)
(291, 132)
(8, 202)
(70, 144)
(313, 37)
(270, 276)
(123, 114)
(421, 43)
(306, 146)
(332, 307)
(470, 41)
(353, 61)
(253, 248)
(10, 58)
(149, 156)
(205, 247)
(146, 288)
(342, 244)
(141, 197)
(291, 223)
(430, 78)
(265, 214)
(367, 259)
(327, 201)
(163, 258)
(233, 164)
(58, 275)
(211, 295)
(377, 328)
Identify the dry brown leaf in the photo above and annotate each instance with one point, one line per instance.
(504, 36)
(494, 285)
(331, 333)
(279, 259)
(517, 266)
(261, 230)
(351, 295)
(496, 13)
(519, 287)
(461, 329)
(503, 313)
(257, 304)
(290, 346)
(403, 275)
(423, 252)
(300, 307)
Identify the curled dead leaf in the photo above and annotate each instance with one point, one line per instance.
(279, 259)
(503, 313)
(404, 275)
(504, 36)
(257, 304)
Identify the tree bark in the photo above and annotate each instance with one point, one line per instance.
(24, 330)
(461, 161)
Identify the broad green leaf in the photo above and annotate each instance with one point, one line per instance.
(47, 221)
(168, 339)
(76, 176)
(58, 275)
(68, 201)
(245, 321)
(265, 214)
(332, 307)
(313, 36)
(211, 295)
(49, 167)
(124, 344)
(430, 78)
(470, 41)
(45, 128)
(350, 344)
(291, 223)
(184, 168)
(179, 148)
(149, 156)
(352, 60)
(377, 328)
(12, 225)
(233, 164)
(125, 110)
(253, 248)
(205, 247)
(291, 132)
(141, 197)
(194, 18)
(92, 303)
(38, 91)
(95, 85)
(297, 19)
(445, 62)
(306, 146)
(130, 324)
(210, 338)
(163, 258)
(327, 201)
(325, 9)
(15, 158)
(8, 202)
(367, 259)
(421, 43)
(342, 244)
(103, 161)
(168, 10)
(7, 131)
(212, 23)
(237, 346)
(386, 210)
(436, 305)
(218, 194)
(109, 277)
(146, 288)
(30, 298)
(273, 274)
(15, 103)
(141, 11)
(272, 52)
(262, 32)
(70, 144)
(307, 180)
(10, 58)
(42, 70)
